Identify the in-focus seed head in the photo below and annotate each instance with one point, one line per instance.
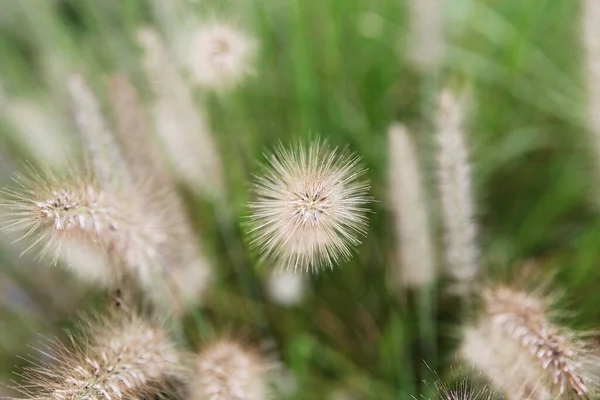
(120, 357)
(462, 391)
(226, 371)
(310, 206)
(221, 56)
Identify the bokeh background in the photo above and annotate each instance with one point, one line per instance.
(342, 70)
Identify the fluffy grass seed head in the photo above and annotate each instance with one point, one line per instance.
(221, 56)
(462, 391)
(310, 206)
(116, 357)
(524, 353)
(57, 210)
(225, 370)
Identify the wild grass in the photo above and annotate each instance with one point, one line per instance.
(343, 71)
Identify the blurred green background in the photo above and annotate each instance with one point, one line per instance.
(338, 69)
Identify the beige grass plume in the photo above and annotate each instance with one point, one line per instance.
(56, 210)
(225, 370)
(523, 353)
(455, 189)
(221, 56)
(409, 207)
(183, 131)
(310, 206)
(117, 357)
(187, 267)
(427, 44)
(590, 35)
(105, 154)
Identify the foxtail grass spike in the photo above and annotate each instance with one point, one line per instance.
(416, 264)
(427, 43)
(106, 158)
(183, 131)
(187, 267)
(523, 353)
(455, 189)
(590, 32)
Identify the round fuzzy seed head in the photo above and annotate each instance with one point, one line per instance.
(220, 56)
(286, 288)
(310, 206)
(226, 371)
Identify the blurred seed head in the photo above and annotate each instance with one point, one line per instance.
(180, 124)
(188, 269)
(221, 56)
(310, 207)
(525, 354)
(225, 370)
(104, 152)
(409, 207)
(286, 288)
(427, 44)
(455, 188)
(116, 357)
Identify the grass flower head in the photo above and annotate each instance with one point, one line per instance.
(221, 56)
(225, 371)
(119, 357)
(310, 206)
(57, 210)
(523, 352)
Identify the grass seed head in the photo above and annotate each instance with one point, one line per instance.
(116, 357)
(221, 56)
(524, 353)
(225, 370)
(310, 206)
